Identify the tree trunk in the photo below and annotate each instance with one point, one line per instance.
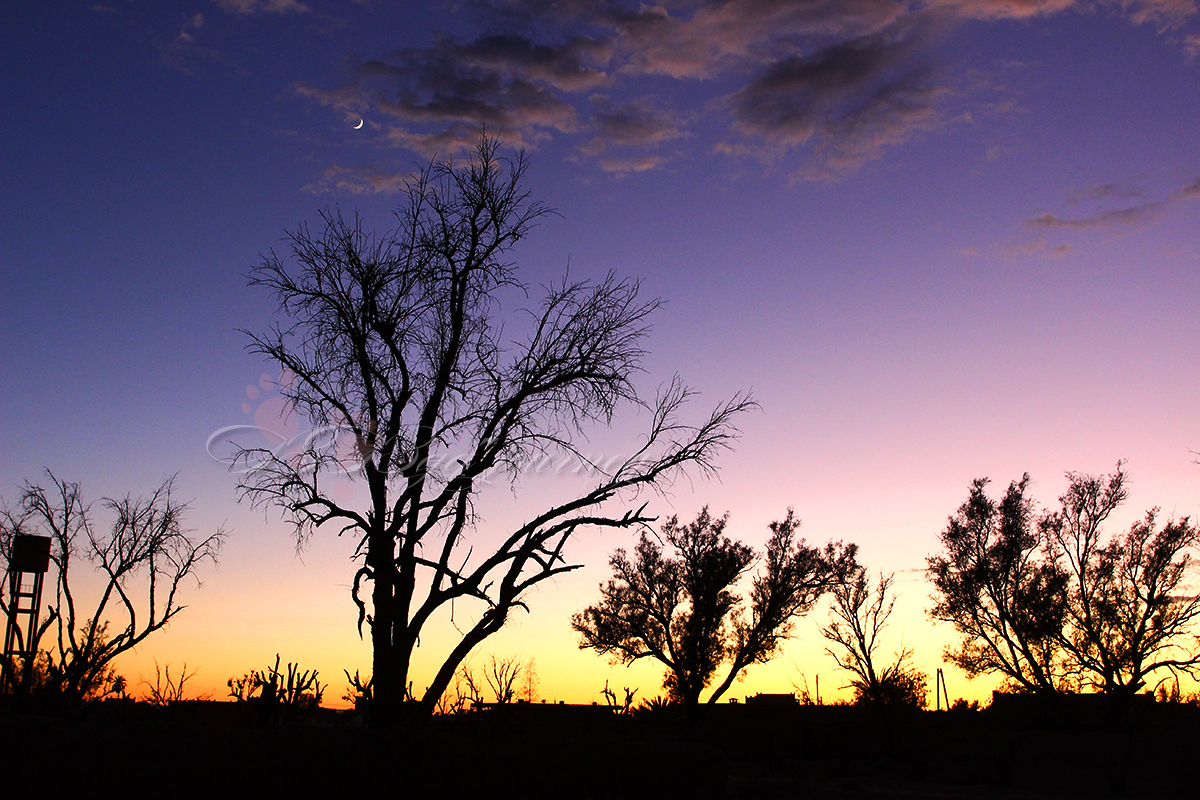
(388, 674)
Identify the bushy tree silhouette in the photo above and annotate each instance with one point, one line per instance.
(1128, 614)
(682, 610)
(994, 585)
(1046, 601)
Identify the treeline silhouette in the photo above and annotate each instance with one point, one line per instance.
(1019, 745)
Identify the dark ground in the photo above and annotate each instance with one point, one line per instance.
(197, 749)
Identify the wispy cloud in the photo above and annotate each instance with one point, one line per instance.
(1163, 14)
(635, 124)
(359, 180)
(567, 66)
(1105, 191)
(1005, 9)
(635, 164)
(262, 6)
(1129, 217)
(702, 39)
(183, 51)
(852, 98)
(1038, 246)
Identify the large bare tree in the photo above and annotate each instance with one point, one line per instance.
(397, 348)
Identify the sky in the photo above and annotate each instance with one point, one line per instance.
(937, 240)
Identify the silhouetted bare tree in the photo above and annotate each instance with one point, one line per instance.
(529, 681)
(682, 611)
(859, 616)
(166, 689)
(395, 342)
(1056, 605)
(358, 694)
(143, 558)
(501, 675)
(619, 706)
(468, 689)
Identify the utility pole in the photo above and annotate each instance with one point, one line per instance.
(939, 688)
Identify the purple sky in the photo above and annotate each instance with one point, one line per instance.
(938, 240)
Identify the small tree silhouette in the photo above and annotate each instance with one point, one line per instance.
(501, 675)
(165, 689)
(529, 682)
(358, 693)
(610, 697)
(860, 615)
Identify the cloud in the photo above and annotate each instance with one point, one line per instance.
(1129, 217)
(1163, 14)
(262, 6)
(855, 98)
(633, 124)
(443, 93)
(451, 90)
(703, 38)
(183, 50)
(1039, 246)
(1005, 9)
(894, 114)
(461, 138)
(829, 84)
(699, 38)
(568, 66)
(1105, 191)
(359, 180)
(627, 165)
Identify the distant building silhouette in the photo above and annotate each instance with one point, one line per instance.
(777, 700)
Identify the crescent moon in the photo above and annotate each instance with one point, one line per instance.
(360, 123)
